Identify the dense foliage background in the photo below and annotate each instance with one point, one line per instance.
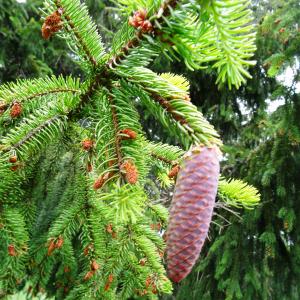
(258, 255)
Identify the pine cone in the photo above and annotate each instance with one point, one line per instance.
(191, 210)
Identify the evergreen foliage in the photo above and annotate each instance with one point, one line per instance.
(76, 219)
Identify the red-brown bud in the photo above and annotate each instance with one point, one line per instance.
(94, 265)
(87, 144)
(88, 275)
(16, 110)
(59, 242)
(52, 24)
(131, 173)
(174, 171)
(11, 250)
(51, 247)
(13, 159)
(98, 183)
(129, 134)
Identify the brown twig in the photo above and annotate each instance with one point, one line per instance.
(117, 136)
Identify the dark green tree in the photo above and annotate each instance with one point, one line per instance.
(77, 220)
(258, 257)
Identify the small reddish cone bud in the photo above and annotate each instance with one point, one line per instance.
(51, 247)
(109, 228)
(52, 24)
(142, 261)
(98, 183)
(11, 250)
(130, 134)
(174, 171)
(87, 249)
(282, 30)
(148, 281)
(114, 235)
(138, 18)
(131, 173)
(94, 265)
(15, 167)
(88, 275)
(146, 26)
(87, 144)
(110, 278)
(67, 269)
(107, 286)
(191, 210)
(59, 242)
(13, 159)
(16, 110)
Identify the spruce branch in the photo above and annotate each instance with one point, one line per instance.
(81, 27)
(25, 90)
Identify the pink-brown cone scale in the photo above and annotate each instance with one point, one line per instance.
(191, 210)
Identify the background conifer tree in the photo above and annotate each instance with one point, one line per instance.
(262, 259)
(77, 220)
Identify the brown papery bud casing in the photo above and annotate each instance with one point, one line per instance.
(191, 210)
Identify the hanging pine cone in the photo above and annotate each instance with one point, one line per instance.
(16, 110)
(191, 210)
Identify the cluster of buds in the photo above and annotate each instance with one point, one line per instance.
(128, 134)
(87, 144)
(138, 20)
(150, 282)
(94, 267)
(11, 250)
(174, 172)
(16, 110)
(52, 24)
(55, 244)
(130, 170)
